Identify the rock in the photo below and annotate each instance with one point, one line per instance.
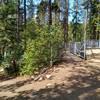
(48, 76)
(49, 85)
(2, 70)
(32, 77)
(41, 78)
(69, 91)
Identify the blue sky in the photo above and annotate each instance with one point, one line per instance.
(37, 1)
(71, 2)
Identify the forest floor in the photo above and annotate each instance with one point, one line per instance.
(69, 80)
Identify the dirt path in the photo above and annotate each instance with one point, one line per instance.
(75, 80)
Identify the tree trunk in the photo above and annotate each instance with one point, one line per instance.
(18, 19)
(50, 13)
(25, 13)
(65, 25)
(76, 20)
(50, 23)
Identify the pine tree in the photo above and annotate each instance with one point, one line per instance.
(18, 20)
(25, 13)
(93, 7)
(65, 24)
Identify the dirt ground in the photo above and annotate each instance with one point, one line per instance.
(70, 80)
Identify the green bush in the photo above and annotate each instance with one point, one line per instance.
(14, 52)
(37, 53)
(11, 70)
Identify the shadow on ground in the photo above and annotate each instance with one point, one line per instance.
(13, 87)
(5, 78)
(82, 87)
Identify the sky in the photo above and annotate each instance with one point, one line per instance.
(71, 2)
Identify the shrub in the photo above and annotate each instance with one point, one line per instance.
(12, 69)
(37, 53)
(12, 54)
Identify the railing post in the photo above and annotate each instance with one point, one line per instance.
(98, 44)
(75, 48)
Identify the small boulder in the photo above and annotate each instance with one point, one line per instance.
(48, 76)
(69, 91)
(49, 85)
(32, 77)
(41, 78)
(2, 70)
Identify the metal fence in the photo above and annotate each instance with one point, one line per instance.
(93, 44)
(78, 48)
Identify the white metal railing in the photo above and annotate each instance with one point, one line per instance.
(93, 44)
(78, 48)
